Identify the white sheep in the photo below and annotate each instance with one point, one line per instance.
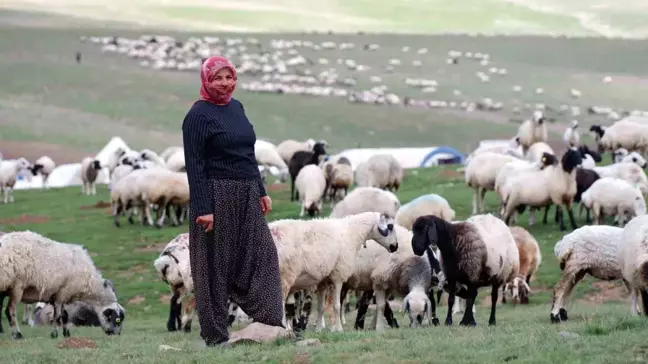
(44, 166)
(168, 152)
(554, 184)
(176, 162)
(537, 150)
(628, 171)
(430, 204)
(532, 131)
(314, 251)
(477, 252)
(9, 170)
(90, 168)
(633, 261)
(288, 147)
(571, 137)
(480, 174)
(363, 199)
(310, 184)
(150, 156)
(510, 148)
(622, 134)
(163, 188)
(589, 250)
(34, 268)
(614, 196)
(530, 259)
(380, 170)
(633, 157)
(267, 156)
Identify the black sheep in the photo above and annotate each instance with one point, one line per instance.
(584, 179)
(299, 160)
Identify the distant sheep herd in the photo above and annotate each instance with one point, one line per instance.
(371, 244)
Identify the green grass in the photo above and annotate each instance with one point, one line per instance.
(524, 334)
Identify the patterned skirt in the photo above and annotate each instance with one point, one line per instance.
(237, 259)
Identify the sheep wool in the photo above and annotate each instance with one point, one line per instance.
(430, 204)
(613, 196)
(363, 199)
(310, 184)
(633, 261)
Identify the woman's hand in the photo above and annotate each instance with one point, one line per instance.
(207, 221)
(266, 204)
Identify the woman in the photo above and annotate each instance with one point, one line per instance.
(232, 252)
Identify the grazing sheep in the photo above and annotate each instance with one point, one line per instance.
(341, 179)
(477, 252)
(622, 134)
(614, 196)
(310, 183)
(554, 184)
(430, 204)
(363, 199)
(44, 166)
(532, 131)
(530, 258)
(331, 242)
(571, 136)
(299, 160)
(628, 171)
(589, 250)
(482, 172)
(79, 314)
(633, 261)
(380, 170)
(34, 268)
(289, 147)
(163, 188)
(9, 170)
(89, 171)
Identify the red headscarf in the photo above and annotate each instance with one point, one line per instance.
(215, 93)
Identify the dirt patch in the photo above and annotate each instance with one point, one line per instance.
(99, 205)
(165, 299)
(276, 186)
(450, 174)
(76, 343)
(34, 150)
(606, 291)
(136, 269)
(25, 219)
(136, 300)
(157, 247)
(302, 358)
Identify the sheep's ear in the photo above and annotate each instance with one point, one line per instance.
(526, 285)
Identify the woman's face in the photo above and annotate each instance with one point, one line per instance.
(223, 78)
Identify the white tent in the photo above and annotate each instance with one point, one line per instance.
(408, 157)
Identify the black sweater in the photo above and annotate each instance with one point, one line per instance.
(218, 144)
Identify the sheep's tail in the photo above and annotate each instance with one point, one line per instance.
(564, 257)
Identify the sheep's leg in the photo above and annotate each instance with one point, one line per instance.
(56, 323)
(451, 300)
(469, 318)
(494, 291)
(483, 197)
(11, 194)
(292, 188)
(475, 208)
(362, 307)
(147, 214)
(343, 298)
(5, 192)
(15, 296)
(337, 307)
(504, 294)
(532, 211)
(434, 320)
(173, 311)
(381, 301)
(557, 213)
(65, 321)
(188, 314)
(321, 300)
(544, 219)
(389, 317)
(633, 305)
(570, 213)
(161, 212)
(301, 213)
(28, 315)
(561, 294)
(305, 308)
(644, 301)
(562, 220)
(2, 297)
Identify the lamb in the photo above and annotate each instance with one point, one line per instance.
(614, 196)
(589, 250)
(268, 156)
(334, 244)
(89, 172)
(481, 173)
(633, 261)
(554, 184)
(430, 204)
(627, 171)
(380, 170)
(34, 268)
(571, 136)
(537, 150)
(289, 147)
(311, 184)
(341, 179)
(363, 199)
(299, 160)
(532, 131)
(44, 165)
(481, 238)
(530, 259)
(9, 169)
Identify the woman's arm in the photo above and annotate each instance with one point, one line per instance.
(262, 189)
(194, 132)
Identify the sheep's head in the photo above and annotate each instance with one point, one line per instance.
(343, 160)
(547, 160)
(619, 154)
(635, 158)
(313, 208)
(384, 233)
(426, 233)
(598, 131)
(36, 168)
(96, 164)
(571, 159)
(110, 313)
(538, 117)
(417, 305)
(584, 149)
(518, 290)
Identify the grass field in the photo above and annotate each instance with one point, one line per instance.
(599, 312)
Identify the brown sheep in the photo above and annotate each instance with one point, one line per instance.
(530, 259)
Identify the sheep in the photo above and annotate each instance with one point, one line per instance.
(289, 147)
(341, 179)
(163, 188)
(9, 169)
(44, 166)
(619, 154)
(333, 243)
(614, 196)
(530, 259)
(537, 150)
(89, 171)
(571, 136)
(587, 250)
(363, 199)
(554, 184)
(24, 260)
(481, 173)
(532, 131)
(635, 158)
(267, 156)
(430, 204)
(584, 180)
(151, 156)
(299, 160)
(633, 261)
(310, 183)
(590, 157)
(510, 148)
(176, 162)
(168, 152)
(79, 314)
(628, 171)
(622, 134)
(477, 252)
(380, 170)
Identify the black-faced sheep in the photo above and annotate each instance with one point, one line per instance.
(43, 166)
(299, 160)
(477, 252)
(90, 168)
